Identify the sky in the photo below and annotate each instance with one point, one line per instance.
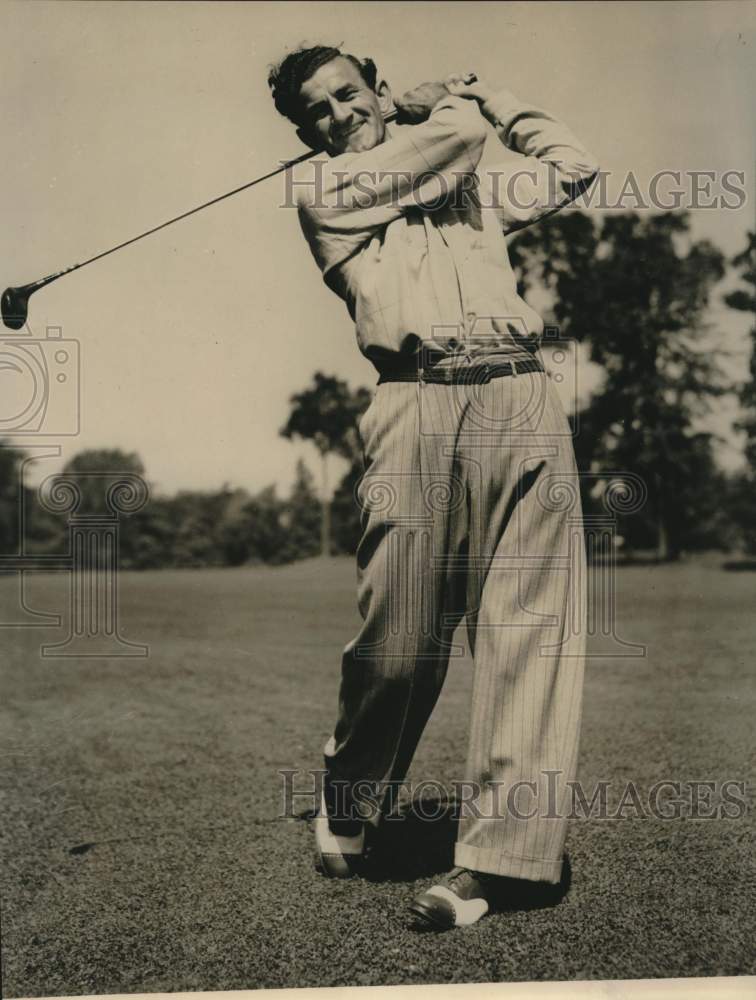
(116, 117)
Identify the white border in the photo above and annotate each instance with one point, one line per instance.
(703, 988)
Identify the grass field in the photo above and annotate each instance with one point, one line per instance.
(142, 844)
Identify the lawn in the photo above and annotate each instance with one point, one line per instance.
(143, 846)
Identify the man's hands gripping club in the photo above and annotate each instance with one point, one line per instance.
(416, 105)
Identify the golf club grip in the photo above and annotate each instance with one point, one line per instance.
(392, 115)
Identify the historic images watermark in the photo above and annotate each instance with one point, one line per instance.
(521, 189)
(41, 388)
(41, 403)
(90, 560)
(549, 797)
(416, 563)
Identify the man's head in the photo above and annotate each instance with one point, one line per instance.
(336, 101)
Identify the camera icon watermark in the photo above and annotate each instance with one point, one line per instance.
(561, 360)
(40, 384)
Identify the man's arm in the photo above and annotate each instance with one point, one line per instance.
(554, 169)
(343, 202)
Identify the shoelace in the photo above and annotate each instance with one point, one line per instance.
(456, 874)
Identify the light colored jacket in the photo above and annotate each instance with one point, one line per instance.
(412, 236)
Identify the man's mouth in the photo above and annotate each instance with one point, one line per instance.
(343, 137)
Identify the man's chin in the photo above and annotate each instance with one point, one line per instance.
(362, 140)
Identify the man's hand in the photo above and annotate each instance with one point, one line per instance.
(416, 105)
(468, 85)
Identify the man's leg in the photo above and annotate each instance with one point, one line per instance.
(525, 613)
(526, 607)
(409, 598)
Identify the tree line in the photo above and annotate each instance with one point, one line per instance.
(634, 290)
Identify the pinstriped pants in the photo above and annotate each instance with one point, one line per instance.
(464, 513)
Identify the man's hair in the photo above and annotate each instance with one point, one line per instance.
(286, 79)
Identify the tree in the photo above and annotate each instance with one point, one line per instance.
(203, 526)
(743, 487)
(744, 299)
(327, 414)
(265, 532)
(232, 543)
(156, 526)
(93, 472)
(636, 290)
(347, 515)
(302, 517)
(11, 497)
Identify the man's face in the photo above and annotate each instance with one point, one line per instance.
(340, 112)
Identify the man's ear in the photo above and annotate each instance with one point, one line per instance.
(385, 101)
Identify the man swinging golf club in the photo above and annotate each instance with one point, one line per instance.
(464, 441)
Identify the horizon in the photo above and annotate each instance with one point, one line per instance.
(167, 369)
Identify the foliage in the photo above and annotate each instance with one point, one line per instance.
(327, 413)
(635, 289)
(10, 497)
(302, 518)
(347, 521)
(94, 471)
(743, 487)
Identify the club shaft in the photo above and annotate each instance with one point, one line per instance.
(390, 117)
(14, 302)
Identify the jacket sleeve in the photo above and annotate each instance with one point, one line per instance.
(553, 169)
(344, 201)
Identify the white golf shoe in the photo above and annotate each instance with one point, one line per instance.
(337, 856)
(461, 898)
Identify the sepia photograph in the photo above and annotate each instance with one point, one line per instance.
(378, 498)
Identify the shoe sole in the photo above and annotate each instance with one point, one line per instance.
(429, 915)
(339, 866)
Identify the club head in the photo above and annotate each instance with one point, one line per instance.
(15, 306)
(15, 301)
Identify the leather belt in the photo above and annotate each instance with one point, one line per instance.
(477, 373)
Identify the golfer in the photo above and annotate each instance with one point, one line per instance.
(467, 452)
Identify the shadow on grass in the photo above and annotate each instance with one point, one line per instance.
(417, 841)
(740, 565)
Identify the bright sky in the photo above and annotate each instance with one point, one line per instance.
(117, 116)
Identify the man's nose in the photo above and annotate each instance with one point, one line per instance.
(340, 113)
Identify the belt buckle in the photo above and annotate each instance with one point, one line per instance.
(481, 373)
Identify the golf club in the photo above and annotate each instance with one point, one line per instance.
(15, 301)
(14, 304)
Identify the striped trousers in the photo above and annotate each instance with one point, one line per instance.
(470, 506)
